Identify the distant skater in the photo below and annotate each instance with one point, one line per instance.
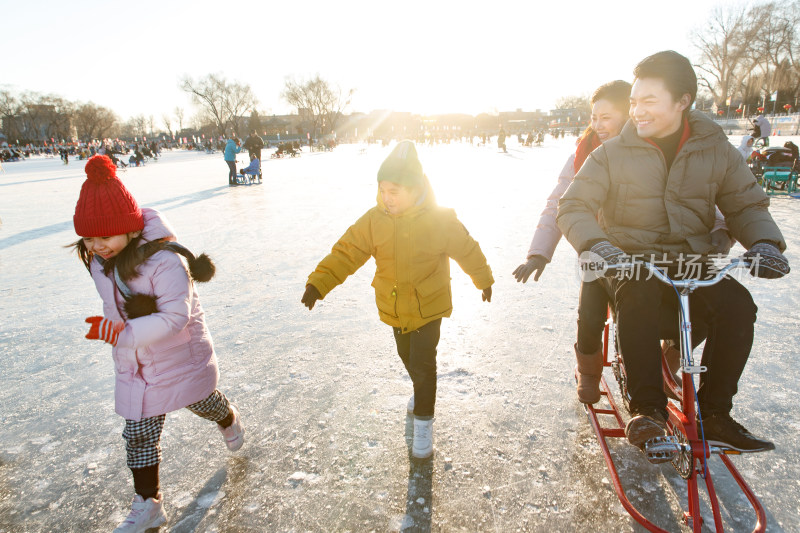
(164, 359)
(412, 240)
(762, 129)
(232, 147)
(254, 144)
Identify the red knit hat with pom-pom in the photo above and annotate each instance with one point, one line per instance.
(105, 207)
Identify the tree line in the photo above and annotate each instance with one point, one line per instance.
(34, 117)
(224, 104)
(222, 108)
(747, 55)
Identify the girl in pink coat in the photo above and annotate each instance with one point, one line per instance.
(163, 354)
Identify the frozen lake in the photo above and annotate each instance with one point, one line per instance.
(323, 393)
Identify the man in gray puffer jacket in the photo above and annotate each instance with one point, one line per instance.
(655, 188)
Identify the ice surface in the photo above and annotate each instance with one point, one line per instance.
(322, 393)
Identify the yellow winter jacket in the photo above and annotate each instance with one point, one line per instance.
(412, 254)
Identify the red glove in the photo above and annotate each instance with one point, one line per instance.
(104, 329)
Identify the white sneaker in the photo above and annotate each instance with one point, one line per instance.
(233, 434)
(422, 447)
(144, 515)
(410, 406)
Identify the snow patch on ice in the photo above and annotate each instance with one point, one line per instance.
(251, 387)
(181, 499)
(400, 523)
(47, 448)
(300, 477)
(209, 499)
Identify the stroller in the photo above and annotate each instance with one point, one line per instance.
(250, 174)
(780, 168)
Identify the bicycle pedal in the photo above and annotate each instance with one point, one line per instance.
(662, 449)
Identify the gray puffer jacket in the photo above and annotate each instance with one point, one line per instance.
(643, 209)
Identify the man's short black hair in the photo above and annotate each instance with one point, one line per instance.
(674, 69)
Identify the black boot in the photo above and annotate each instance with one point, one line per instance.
(719, 429)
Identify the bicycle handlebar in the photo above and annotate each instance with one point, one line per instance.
(692, 284)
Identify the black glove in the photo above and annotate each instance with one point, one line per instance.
(486, 296)
(536, 263)
(721, 241)
(608, 251)
(610, 254)
(310, 297)
(767, 261)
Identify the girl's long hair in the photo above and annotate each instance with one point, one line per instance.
(83, 253)
(126, 262)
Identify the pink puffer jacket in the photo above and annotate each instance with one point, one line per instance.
(163, 361)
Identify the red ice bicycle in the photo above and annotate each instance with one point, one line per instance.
(684, 443)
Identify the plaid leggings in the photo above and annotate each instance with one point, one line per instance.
(143, 437)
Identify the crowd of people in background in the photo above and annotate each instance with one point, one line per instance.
(81, 151)
(139, 151)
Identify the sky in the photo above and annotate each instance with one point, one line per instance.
(434, 56)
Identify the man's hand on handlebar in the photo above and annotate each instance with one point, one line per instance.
(766, 261)
(611, 255)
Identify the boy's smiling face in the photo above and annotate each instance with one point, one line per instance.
(397, 198)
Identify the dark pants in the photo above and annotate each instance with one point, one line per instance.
(724, 314)
(592, 314)
(143, 441)
(231, 171)
(417, 349)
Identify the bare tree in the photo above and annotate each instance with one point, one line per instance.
(724, 54)
(254, 124)
(136, 126)
(43, 117)
(220, 102)
(574, 102)
(36, 117)
(747, 53)
(794, 47)
(773, 46)
(320, 102)
(167, 121)
(581, 104)
(179, 118)
(93, 121)
(10, 108)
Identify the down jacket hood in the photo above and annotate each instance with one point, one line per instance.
(426, 200)
(156, 226)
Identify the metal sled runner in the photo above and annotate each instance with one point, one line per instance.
(688, 451)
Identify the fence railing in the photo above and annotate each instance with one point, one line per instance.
(782, 124)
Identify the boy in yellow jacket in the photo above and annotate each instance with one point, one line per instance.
(412, 240)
